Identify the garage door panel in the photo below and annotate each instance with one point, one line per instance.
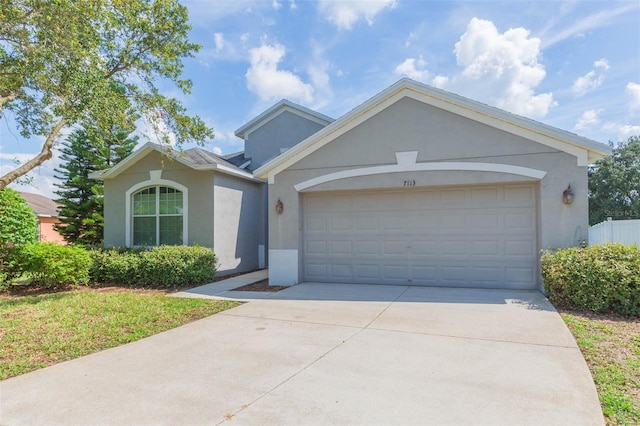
(475, 236)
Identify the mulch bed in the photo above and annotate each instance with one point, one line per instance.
(262, 286)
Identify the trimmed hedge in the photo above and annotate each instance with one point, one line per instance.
(159, 267)
(53, 265)
(600, 278)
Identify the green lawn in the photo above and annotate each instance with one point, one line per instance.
(38, 331)
(611, 347)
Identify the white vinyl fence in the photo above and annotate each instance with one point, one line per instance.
(615, 231)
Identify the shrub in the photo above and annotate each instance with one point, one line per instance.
(53, 265)
(601, 278)
(114, 266)
(160, 267)
(18, 225)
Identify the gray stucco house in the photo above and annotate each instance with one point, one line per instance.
(415, 186)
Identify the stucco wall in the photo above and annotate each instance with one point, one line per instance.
(283, 131)
(200, 198)
(438, 136)
(47, 231)
(239, 229)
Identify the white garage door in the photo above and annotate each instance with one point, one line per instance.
(481, 236)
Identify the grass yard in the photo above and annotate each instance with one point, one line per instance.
(38, 331)
(611, 346)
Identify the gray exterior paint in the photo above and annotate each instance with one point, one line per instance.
(281, 132)
(408, 140)
(238, 222)
(437, 135)
(216, 204)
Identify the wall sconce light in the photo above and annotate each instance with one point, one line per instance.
(279, 207)
(567, 195)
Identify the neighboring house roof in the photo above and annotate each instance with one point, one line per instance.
(279, 108)
(585, 150)
(195, 158)
(41, 205)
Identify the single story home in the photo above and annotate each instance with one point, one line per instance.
(414, 186)
(47, 212)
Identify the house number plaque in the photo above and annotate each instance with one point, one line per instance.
(409, 183)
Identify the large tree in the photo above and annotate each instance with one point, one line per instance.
(81, 198)
(614, 184)
(68, 63)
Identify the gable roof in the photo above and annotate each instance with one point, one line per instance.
(41, 205)
(277, 109)
(585, 150)
(195, 158)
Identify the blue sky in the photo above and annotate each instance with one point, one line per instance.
(570, 64)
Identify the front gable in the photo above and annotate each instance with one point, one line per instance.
(414, 103)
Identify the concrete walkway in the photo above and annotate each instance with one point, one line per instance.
(330, 354)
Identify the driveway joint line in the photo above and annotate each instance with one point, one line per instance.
(473, 338)
(360, 329)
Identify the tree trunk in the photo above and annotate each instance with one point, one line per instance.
(43, 156)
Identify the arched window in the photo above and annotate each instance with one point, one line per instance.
(157, 216)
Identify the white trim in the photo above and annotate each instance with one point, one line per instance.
(584, 149)
(283, 267)
(156, 182)
(421, 167)
(174, 154)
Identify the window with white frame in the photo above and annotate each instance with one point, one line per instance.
(157, 216)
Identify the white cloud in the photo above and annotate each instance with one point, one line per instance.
(40, 180)
(591, 80)
(217, 150)
(344, 13)
(633, 90)
(588, 82)
(318, 71)
(625, 131)
(500, 68)
(588, 119)
(440, 81)
(293, 5)
(602, 63)
(218, 39)
(276, 4)
(596, 20)
(415, 68)
(270, 83)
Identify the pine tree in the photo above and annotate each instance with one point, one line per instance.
(81, 198)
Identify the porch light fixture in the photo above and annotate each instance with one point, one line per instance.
(279, 207)
(567, 195)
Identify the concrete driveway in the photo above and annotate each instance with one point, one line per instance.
(330, 354)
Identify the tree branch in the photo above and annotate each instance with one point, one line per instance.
(43, 156)
(5, 99)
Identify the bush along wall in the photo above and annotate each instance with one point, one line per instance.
(601, 278)
(159, 267)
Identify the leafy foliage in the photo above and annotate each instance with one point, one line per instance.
(81, 215)
(160, 267)
(86, 62)
(18, 223)
(614, 184)
(600, 278)
(52, 265)
(18, 226)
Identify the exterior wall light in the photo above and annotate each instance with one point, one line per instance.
(567, 195)
(279, 207)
